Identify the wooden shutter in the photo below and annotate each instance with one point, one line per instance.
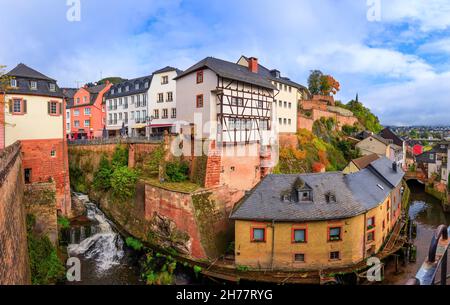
(49, 107)
(11, 106)
(59, 108)
(24, 106)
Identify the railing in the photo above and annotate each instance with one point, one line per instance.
(153, 138)
(437, 257)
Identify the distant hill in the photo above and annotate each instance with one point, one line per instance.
(113, 79)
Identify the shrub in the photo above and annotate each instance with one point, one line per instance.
(151, 167)
(177, 171)
(45, 266)
(102, 177)
(123, 182)
(134, 243)
(120, 156)
(63, 222)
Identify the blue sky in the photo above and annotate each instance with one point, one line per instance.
(400, 65)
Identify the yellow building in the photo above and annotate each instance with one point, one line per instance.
(374, 144)
(317, 221)
(360, 163)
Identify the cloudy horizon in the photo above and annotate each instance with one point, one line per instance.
(399, 66)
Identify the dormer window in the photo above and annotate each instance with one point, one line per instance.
(33, 85)
(14, 83)
(286, 197)
(146, 84)
(136, 86)
(164, 80)
(112, 91)
(119, 90)
(127, 88)
(52, 87)
(330, 197)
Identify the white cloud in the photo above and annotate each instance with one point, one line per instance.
(430, 14)
(438, 46)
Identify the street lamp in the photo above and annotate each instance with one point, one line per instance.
(148, 121)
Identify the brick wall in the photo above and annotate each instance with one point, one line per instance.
(203, 215)
(304, 122)
(317, 114)
(14, 262)
(2, 121)
(36, 155)
(40, 200)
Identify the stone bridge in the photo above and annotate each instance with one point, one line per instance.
(416, 175)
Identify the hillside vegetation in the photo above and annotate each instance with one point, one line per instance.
(367, 119)
(323, 149)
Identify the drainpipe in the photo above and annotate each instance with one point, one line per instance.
(273, 244)
(364, 240)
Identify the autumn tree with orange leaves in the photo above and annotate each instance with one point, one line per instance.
(321, 84)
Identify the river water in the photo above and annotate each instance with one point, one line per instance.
(427, 213)
(104, 257)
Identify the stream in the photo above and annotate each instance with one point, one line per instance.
(104, 257)
(427, 213)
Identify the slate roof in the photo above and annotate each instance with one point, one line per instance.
(265, 72)
(364, 161)
(425, 157)
(69, 94)
(355, 194)
(24, 74)
(23, 71)
(383, 167)
(387, 133)
(229, 70)
(168, 69)
(131, 83)
(365, 134)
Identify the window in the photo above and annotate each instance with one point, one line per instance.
(169, 96)
(53, 153)
(17, 106)
(298, 235)
(258, 234)
(138, 116)
(156, 113)
(14, 83)
(289, 121)
(132, 99)
(138, 101)
(240, 101)
(76, 112)
(144, 99)
(112, 91)
(165, 114)
(146, 84)
(136, 86)
(87, 123)
(285, 104)
(87, 111)
(290, 89)
(290, 105)
(334, 233)
(199, 76)
(33, 85)
(127, 88)
(115, 118)
(120, 101)
(260, 104)
(144, 115)
(280, 103)
(164, 80)
(77, 100)
(370, 223)
(53, 108)
(299, 257)
(119, 90)
(84, 99)
(280, 121)
(110, 119)
(120, 116)
(68, 126)
(199, 101)
(27, 175)
(76, 123)
(126, 117)
(160, 97)
(284, 121)
(335, 255)
(371, 236)
(174, 113)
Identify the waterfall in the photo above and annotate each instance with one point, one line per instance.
(104, 245)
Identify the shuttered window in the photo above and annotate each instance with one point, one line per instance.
(54, 108)
(17, 106)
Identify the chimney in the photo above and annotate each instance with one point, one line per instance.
(394, 166)
(253, 64)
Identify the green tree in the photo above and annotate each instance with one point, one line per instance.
(102, 177)
(120, 156)
(123, 182)
(364, 115)
(315, 80)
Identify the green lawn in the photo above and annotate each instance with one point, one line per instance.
(184, 187)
